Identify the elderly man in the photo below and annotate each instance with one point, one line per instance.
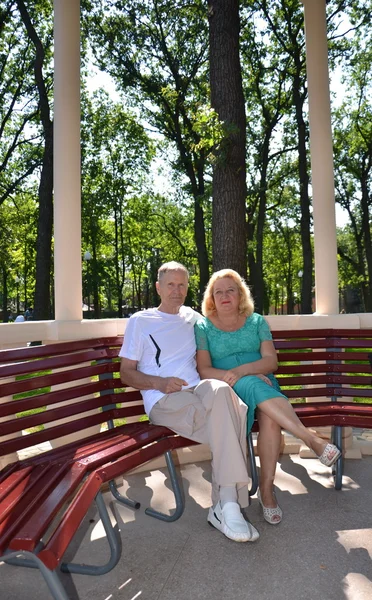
(158, 358)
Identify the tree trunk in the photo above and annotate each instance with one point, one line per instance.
(258, 273)
(5, 295)
(45, 220)
(118, 282)
(366, 232)
(307, 279)
(196, 177)
(229, 173)
(95, 277)
(44, 232)
(201, 246)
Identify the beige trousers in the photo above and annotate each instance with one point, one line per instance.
(211, 413)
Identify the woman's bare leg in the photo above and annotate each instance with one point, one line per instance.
(268, 446)
(282, 412)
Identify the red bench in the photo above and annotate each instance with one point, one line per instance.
(52, 492)
(330, 364)
(44, 498)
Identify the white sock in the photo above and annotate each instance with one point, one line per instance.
(228, 493)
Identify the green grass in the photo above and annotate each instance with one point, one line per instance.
(30, 394)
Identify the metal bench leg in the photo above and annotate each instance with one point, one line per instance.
(113, 539)
(51, 577)
(338, 467)
(120, 498)
(252, 465)
(180, 505)
(112, 484)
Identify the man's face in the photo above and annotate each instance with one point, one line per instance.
(172, 289)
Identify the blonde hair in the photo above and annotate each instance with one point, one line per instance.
(246, 304)
(172, 266)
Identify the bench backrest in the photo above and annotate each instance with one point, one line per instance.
(61, 389)
(67, 388)
(324, 362)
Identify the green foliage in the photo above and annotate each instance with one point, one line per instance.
(209, 128)
(128, 230)
(353, 168)
(18, 248)
(20, 135)
(157, 54)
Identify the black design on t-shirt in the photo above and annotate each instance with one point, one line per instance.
(157, 356)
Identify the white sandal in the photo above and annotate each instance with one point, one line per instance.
(329, 455)
(271, 515)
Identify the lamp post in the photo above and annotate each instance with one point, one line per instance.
(17, 281)
(87, 257)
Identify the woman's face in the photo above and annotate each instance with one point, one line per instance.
(226, 295)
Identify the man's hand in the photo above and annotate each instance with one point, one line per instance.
(167, 385)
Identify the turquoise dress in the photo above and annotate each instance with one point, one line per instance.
(229, 349)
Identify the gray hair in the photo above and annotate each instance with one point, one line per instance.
(172, 266)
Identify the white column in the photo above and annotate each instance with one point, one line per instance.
(321, 150)
(67, 197)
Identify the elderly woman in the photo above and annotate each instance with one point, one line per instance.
(234, 344)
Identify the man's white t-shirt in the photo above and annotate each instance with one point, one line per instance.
(164, 345)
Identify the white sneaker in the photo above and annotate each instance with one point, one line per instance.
(230, 521)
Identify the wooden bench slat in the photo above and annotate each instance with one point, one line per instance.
(55, 362)
(362, 421)
(321, 333)
(321, 356)
(39, 437)
(333, 408)
(311, 393)
(357, 392)
(325, 368)
(84, 447)
(306, 356)
(126, 463)
(56, 378)
(341, 420)
(16, 492)
(141, 438)
(50, 398)
(19, 506)
(325, 380)
(12, 478)
(55, 548)
(28, 536)
(8, 470)
(32, 352)
(55, 414)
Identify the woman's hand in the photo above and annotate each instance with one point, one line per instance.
(230, 377)
(265, 379)
(233, 375)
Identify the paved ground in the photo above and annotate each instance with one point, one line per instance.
(321, 551)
